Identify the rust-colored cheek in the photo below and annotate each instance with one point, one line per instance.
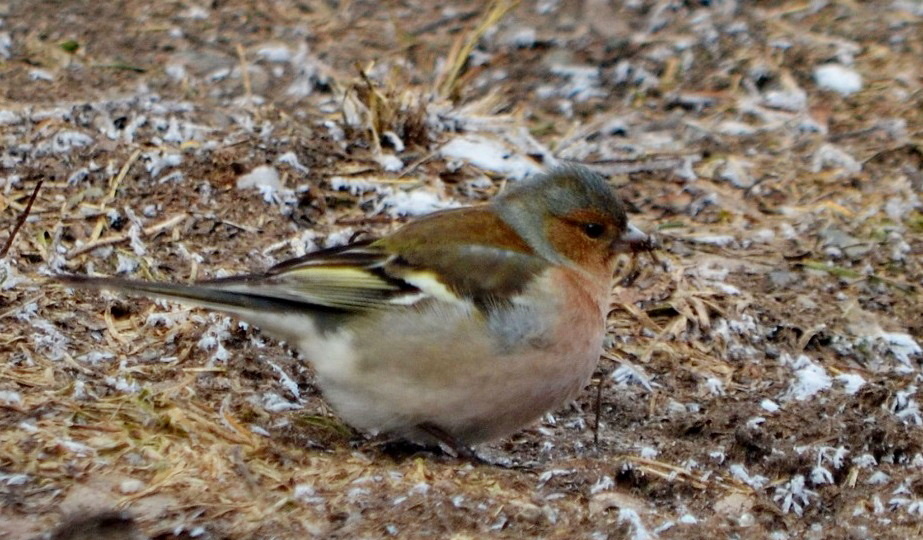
(592, 256)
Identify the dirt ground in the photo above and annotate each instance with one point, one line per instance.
(763, 379)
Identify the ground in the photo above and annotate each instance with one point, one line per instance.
(763, 376)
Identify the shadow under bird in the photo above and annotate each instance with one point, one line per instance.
(463, 326)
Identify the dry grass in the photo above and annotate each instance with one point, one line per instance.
(789, 215)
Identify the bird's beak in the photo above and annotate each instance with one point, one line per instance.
(634, 240)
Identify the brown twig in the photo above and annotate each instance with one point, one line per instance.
(245, 73)
(157, 228)
(598, 409)
(447, 81)
(376, 220)
(22, 219)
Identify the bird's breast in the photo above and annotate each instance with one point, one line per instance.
(573, 307)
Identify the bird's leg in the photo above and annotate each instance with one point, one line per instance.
(457, 449)
(398, 448)
(442, 443)
(449, 444)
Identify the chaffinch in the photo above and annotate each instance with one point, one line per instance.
(460, 327)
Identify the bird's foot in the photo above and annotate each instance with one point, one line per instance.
(455, 448)
(397, 448)
(444, 444)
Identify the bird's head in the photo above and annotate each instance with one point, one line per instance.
(572, 213)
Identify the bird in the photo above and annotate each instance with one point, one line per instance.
(463, 326)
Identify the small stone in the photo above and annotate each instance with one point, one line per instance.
(131, 485)
(526, 511)
(262, 176)
(782, 278)
(734, 506)
(838, 78)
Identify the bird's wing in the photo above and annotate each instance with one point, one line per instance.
(347, 278)
(468, 273)
(373, 275)
(358, 277)
(463, 255)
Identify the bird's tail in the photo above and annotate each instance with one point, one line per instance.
(234, 296)
(204, 294)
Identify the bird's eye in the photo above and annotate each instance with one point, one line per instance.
(593, 230)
